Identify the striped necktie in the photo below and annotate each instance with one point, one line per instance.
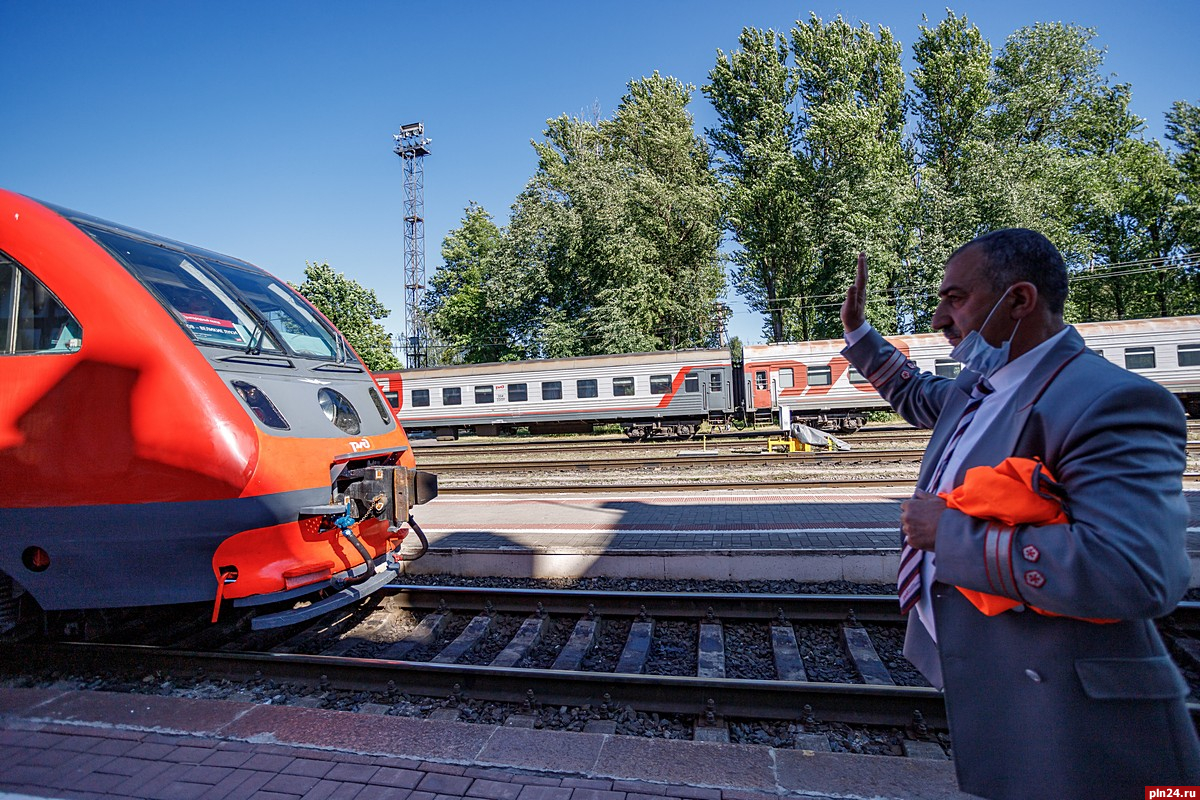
(908, 578)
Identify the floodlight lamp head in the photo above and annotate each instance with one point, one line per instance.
(412, 129)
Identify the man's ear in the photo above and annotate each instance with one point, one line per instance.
(1023, 299)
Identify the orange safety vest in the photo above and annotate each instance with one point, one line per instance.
(1017, 491)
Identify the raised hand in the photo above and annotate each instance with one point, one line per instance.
(854, 309)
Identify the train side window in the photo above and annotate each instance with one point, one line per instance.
(691, 384)
(1139, 358)
(787, 377)
(32, 320)
(623, 387)
(518, 392)
(660, 384)
(586, 387)
(715, 383)
(760, 379)
(552, 390)
(484, 394)
(393, 398)
(451, 396)
(420, 397)
(1189, 355)
(947, 367)
(819, 376)
(856, 376)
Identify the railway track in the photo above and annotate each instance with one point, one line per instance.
(702, 664)
(428, 449)
(689, 459)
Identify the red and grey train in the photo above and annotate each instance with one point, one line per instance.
(673, 393)
(177, 425)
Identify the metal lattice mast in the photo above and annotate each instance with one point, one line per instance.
(412, 146)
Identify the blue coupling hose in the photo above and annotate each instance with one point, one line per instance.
(345, 522)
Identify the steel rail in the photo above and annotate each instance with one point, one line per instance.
(746, 482)
(663, 694)
(642, 462)
(882, 608)
(740, 605)
(698, 442)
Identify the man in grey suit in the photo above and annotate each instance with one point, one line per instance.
(1041, 706)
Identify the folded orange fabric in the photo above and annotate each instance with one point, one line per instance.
(1017, 491)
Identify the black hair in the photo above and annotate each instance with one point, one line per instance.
(1019, 254)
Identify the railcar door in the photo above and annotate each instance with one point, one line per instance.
(759, 378)
(715, 389)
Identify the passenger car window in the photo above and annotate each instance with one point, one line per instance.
(518, 392)
(947, 367)
(714, 382)
(856, 376)
(552, 390)
(760, 379)
(622, 387)
(819, 376)
(1189, 355)
(451, 396)
(32, 320)
(691, 384)
(586, 387)
(1139, 358)
(484, 394)
(660, 384)
(787, 377)
(420, 397)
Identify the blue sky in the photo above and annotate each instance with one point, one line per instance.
(263, 129)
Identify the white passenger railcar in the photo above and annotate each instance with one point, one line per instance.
(668, 393)
(817, 386)
(671, 393)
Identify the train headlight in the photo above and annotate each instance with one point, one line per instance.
(339, 411)
(260, 404)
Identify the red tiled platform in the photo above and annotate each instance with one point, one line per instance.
(73, 744)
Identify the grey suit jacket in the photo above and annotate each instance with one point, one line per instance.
(1052, 706)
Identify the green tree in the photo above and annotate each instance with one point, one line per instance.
(752, 90)
(470, 317)
(1183, 130)
(950, 99)
(856, 173)
(354, 310)
(612, 246)
(814, 159)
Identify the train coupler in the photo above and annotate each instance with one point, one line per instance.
(388, 492)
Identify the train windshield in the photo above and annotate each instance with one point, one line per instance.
(284, 311)
(223, 304)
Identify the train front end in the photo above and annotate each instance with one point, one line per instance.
(187, 428)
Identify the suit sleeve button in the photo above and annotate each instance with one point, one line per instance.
(1033, 675)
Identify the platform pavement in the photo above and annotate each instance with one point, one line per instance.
(811, 534)
(62, 743)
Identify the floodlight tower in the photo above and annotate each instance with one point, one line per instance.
(412, 146)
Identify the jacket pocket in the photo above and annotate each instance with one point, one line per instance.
(1131, 678)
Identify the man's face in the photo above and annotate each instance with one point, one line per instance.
(967, 297)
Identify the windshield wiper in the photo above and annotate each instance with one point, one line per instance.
(255, 346)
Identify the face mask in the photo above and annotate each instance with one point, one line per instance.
(974, 352)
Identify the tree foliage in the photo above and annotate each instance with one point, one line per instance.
(611, 247)
(823, 147)
(819, 163)
(354, 310)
